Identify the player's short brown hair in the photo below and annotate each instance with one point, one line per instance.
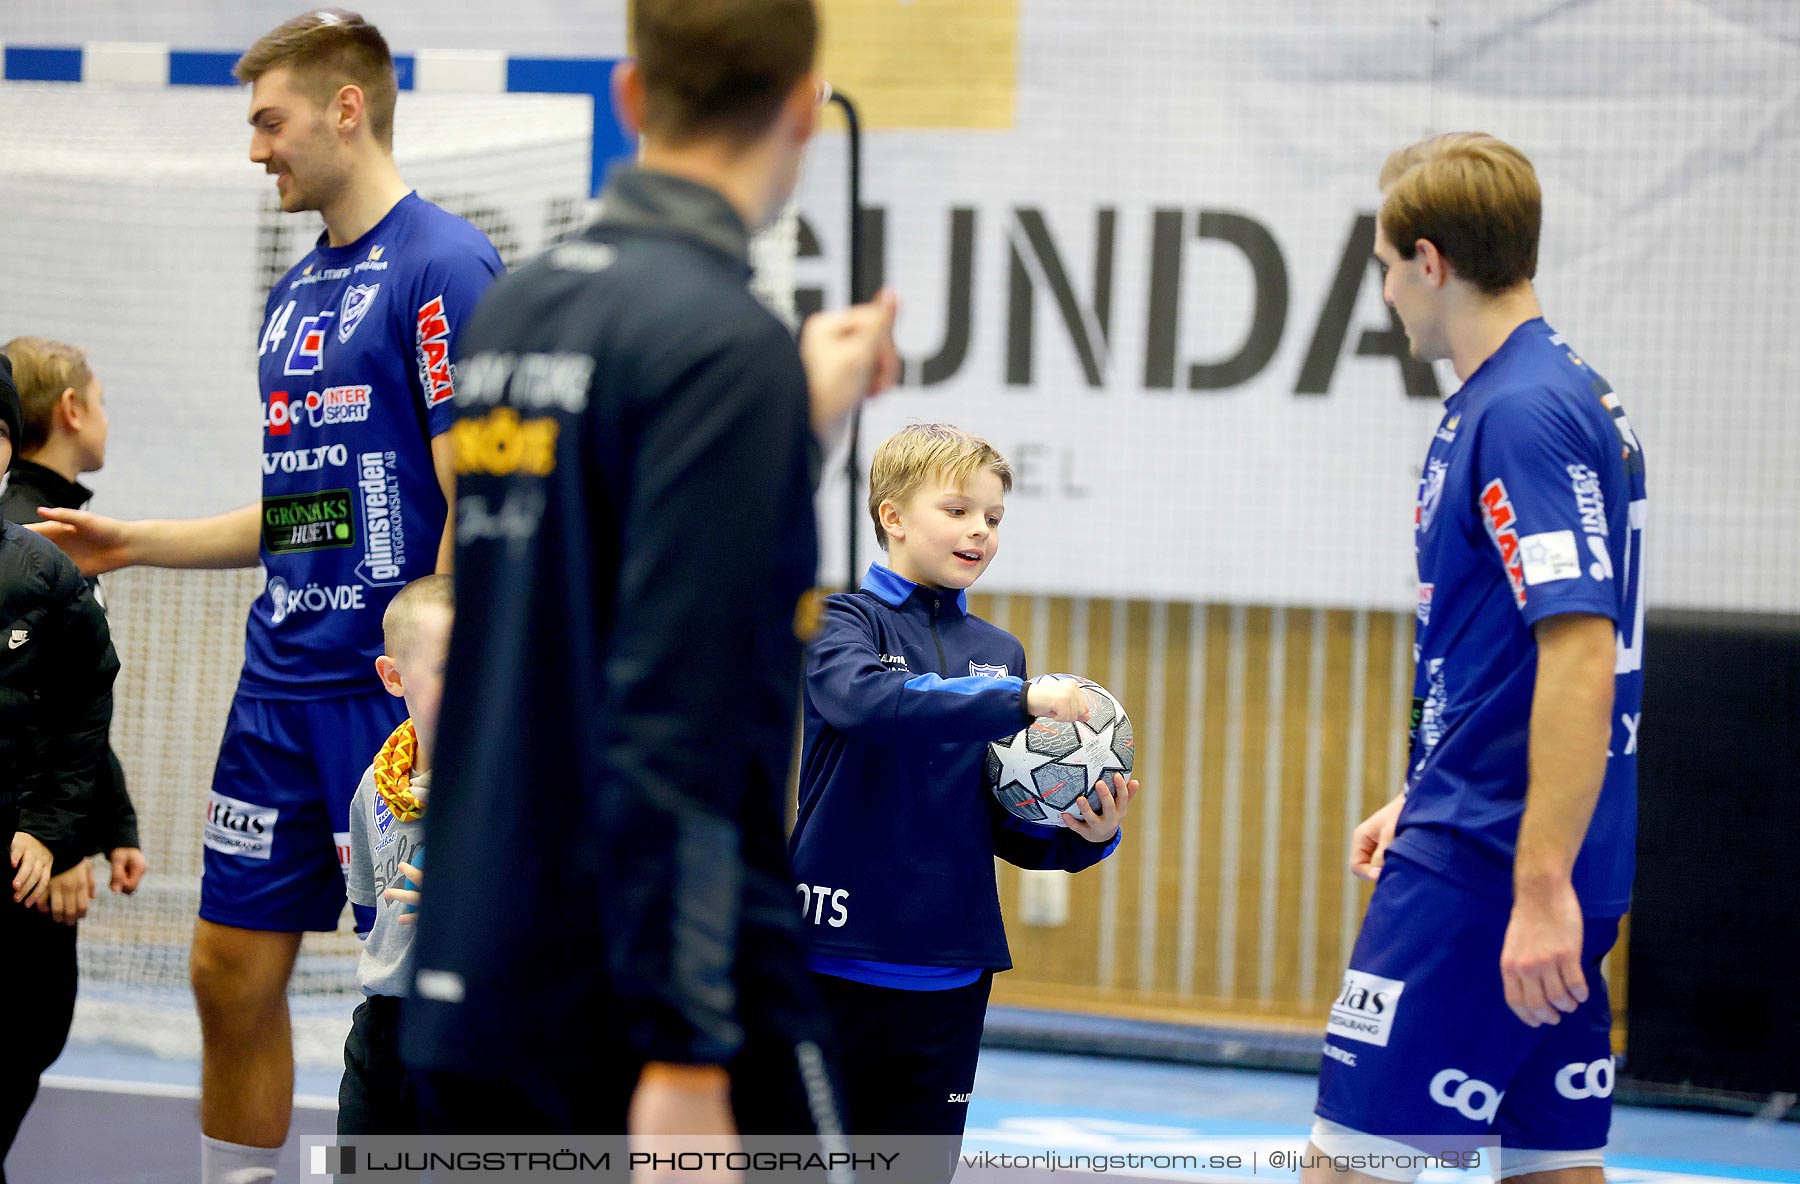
(918, 452)
(329, 49)
(406, 611)
(719, 67)
(1473, 197)
(43, 370)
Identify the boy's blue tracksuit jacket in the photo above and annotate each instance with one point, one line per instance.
(896, 836)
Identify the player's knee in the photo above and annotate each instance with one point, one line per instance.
(237, 974)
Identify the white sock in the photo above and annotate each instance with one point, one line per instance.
(234, 1163)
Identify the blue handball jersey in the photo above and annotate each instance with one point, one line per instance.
(1531, 505)
(356, 378)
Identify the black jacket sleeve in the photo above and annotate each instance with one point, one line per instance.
(115, 822)
(715, 469)
(76, 711)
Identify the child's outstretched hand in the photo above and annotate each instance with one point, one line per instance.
(1114, 800)
(408, 896)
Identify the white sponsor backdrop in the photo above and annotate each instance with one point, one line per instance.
(1664, 132)
(1665, 137)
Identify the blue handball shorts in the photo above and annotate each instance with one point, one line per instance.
(1421, 1042)
(277, 826)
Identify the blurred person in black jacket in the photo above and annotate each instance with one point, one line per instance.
(62, 434)
(57, 801)
(635, 547)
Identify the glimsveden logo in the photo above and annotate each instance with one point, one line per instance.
(384, 523)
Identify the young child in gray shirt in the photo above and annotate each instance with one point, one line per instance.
(387, 826)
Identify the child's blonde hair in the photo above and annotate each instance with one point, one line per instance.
(42, 370)
(406, 611)
(916, 453)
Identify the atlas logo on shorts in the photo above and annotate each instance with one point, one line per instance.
(1475, 1100)
(239, 828)
(1578, 1082)
(1365, 1008)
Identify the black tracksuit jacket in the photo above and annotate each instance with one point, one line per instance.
(634, 534)
(108, 818)
(56, 674)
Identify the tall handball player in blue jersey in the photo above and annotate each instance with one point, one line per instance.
(1474, 1007)
(354, 362)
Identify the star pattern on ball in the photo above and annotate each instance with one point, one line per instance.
(1018, 763)
(1096, 752)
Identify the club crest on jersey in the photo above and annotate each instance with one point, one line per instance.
(307, 354)
(358, 299)
(1502, 525)
(435, 374)
(981, 670)
(1431, 492)
(384, 821)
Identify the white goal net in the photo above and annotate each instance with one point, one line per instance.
(134, 226)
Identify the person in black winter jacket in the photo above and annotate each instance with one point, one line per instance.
(62, 434)
(56, 675)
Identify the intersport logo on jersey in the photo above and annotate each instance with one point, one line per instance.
(333, 405)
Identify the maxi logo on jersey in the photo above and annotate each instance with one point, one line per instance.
(1502, 525)
(307, 354)
(436, 376)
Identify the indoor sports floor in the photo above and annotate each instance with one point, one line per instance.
(111, 1117)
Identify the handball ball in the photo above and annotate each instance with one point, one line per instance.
(1038, 773)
